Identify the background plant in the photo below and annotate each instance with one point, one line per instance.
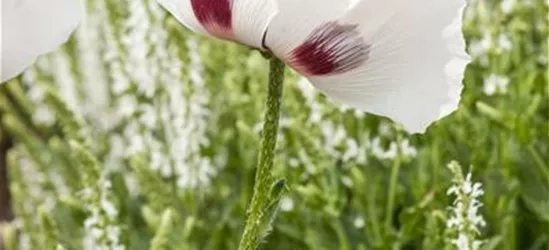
(140, 135)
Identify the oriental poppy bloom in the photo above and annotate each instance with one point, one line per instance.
(397, 58)
(34, 27)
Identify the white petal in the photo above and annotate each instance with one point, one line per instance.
(182, 10)
(296, 19)
(415, 60)
(34, 27)
(249, 18)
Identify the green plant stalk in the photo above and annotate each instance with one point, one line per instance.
(539, 162)
(392, 192)
(341, 235)
(256, 223)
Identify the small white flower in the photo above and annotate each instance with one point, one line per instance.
(407, 150)
(351, 149)
(504, 42)
(380, 152)
(36, 93)
(148, 117)
(108, 207)
(384, 129)
(286, 204)
(479, 47)
(127, 105)
(369, 55)
(24, 242)
(476, 244)
(43, 115)
(359, 222)
(467, 186)
(462, 242)
(308, 91)
(403, 147)
(133, 185)
(34, 27)
(507, 6)
(347, 181)
(119, 85)
(495, 84)
(333, 136)
(136, 145)
(293, 162)
(96, 232)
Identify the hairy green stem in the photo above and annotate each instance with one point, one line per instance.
(257, 224)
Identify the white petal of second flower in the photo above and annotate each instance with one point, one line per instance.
(415, 59)
(416, 63)
(296, 19)
(34, 27)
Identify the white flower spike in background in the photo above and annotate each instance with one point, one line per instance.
(400, 59)
(34, 27)
(465, 220)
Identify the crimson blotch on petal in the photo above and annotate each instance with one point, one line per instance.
(332, 48)
(215, 16)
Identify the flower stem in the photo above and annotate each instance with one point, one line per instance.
(258, 221)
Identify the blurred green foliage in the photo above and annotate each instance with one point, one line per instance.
(88, 137)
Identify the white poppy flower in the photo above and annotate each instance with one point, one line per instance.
(34, 27)
(397, 58)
